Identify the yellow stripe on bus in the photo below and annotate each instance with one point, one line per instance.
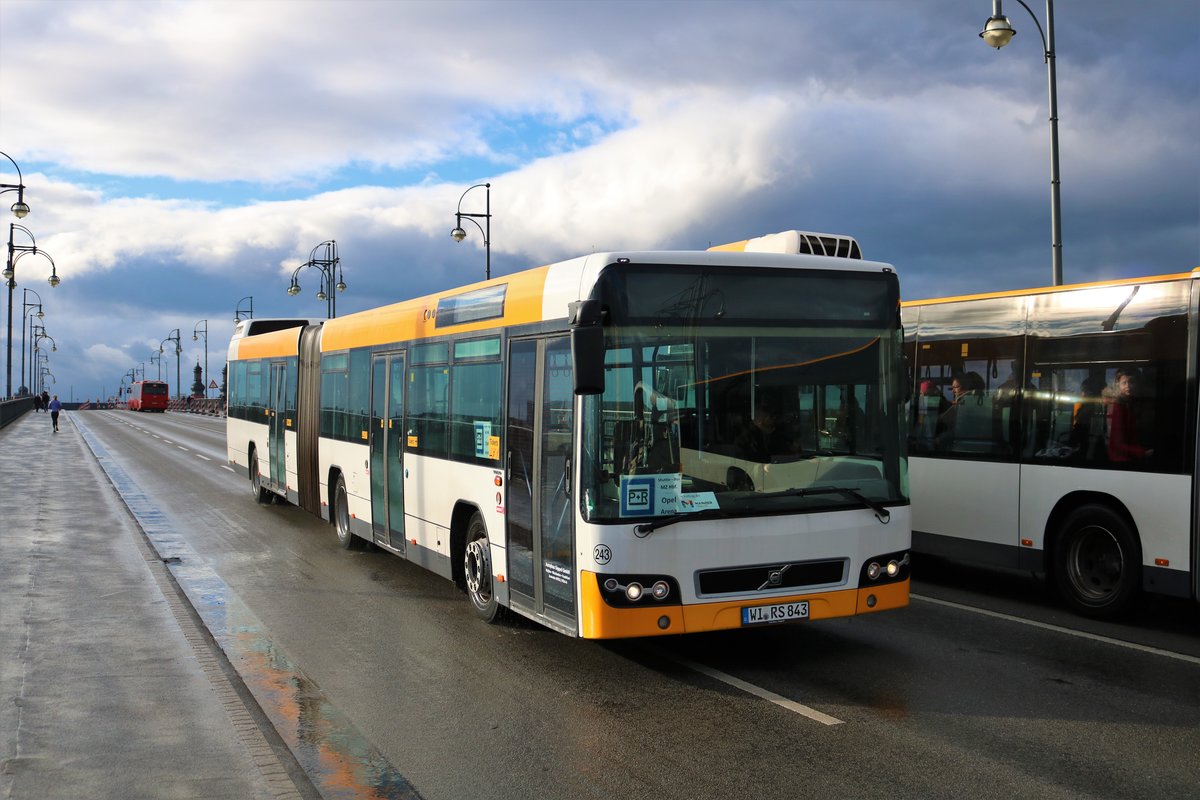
(276, 344)
(416, 319)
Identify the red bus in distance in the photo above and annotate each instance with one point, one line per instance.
(148, 396)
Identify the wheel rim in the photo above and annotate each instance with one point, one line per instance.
(1095, 563)
(477, 572)
(342, 514)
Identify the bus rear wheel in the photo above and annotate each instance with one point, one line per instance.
(477, 572)
(262, 495)
(341, 518)
(1097, 562)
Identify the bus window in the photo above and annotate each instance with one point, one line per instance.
(970, 380)
(1110, 369)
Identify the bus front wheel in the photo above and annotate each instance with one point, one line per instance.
(1097, 562)
(341, 518)
(477, 572)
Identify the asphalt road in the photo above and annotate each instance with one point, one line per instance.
(983, 687)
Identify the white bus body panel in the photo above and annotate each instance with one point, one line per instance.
(353, 459)
(976, 500)
(433, 486)
(1159, 504)
(686, 548)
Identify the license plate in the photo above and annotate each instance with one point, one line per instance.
(780, 612)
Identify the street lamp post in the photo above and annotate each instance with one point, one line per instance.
(25, 306)
(237, 312)
(203, 331)
(997, 32)
(174, 337)
(327, 267)
(15, 253)
(37, 341)
(159, 358)
(458, 234)
(19, 208)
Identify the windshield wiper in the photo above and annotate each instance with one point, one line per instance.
(881, 513)
(647, 528)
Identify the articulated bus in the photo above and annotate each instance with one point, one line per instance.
(147, 396)
(1071, 449)
(623, 444)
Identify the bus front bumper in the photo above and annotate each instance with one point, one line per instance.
(602, 621)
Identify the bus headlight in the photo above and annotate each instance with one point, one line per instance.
(629, 591)
(885, 568)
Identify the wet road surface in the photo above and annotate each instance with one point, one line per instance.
(982, 686)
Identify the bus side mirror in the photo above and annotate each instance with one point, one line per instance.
(587, 347)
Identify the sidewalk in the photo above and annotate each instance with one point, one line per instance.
(108, 689)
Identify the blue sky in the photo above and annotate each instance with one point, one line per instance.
(180, 156)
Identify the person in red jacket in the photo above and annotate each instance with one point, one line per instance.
(1123, 444)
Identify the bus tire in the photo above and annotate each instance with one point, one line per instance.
(262, 495)
(1097, 562)
(340, 513)
(477, 572)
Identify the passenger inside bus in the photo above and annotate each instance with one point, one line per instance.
(763, 437)
(967, 388)
(1123, 444)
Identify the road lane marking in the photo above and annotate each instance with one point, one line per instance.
(226, 466)
(758, 691)
(1154, 651)
(206, 458)
(181, 447)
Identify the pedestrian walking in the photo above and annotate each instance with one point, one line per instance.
(45, 400)
(55, 407)
(37, 403)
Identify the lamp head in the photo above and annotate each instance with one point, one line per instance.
(20, 209)
(321, 295)
(8, 273)
(294, 289)
(193, 336)
(40, 314)
(997, 32)
(341, 285)
(458, 234)
(54, 281)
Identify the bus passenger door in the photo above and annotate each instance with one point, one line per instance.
(387, 467)
(277, 425)
(541, 568)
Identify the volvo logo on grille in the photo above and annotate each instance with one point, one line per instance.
(775, 577)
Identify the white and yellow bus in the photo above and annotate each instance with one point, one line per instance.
(1072, 448)
(624, 444)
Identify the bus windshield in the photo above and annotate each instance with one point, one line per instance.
(731, 391)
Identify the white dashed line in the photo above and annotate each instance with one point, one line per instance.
(1059, 629)
(206, 458)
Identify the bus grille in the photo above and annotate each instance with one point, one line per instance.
(771, 577)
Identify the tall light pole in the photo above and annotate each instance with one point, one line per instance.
(15, 253)
(203, 331)
(997, 32)
(40, 333)
(237, 312)
(458, 234)
(174, 337)
(159, 358)
(25, 306)
(327, 267)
